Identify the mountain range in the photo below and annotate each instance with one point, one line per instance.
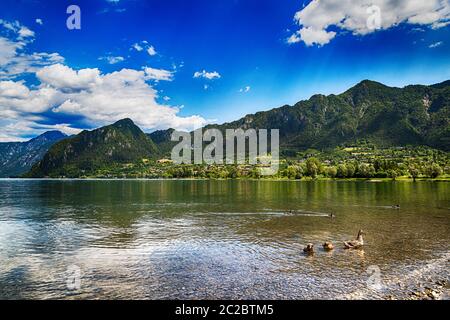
(17, 158)
(369, 111)
(417, 115)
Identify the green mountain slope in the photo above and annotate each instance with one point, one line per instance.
(16, 158)
(371, 111)
(121, 142)
(162, 139)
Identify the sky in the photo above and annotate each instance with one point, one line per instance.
(183, 64)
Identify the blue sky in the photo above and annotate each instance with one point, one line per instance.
(248, 56)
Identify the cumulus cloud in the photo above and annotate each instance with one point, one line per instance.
(65, 78)
(312, 36)
(11, 89)
(98, 98)
(16, 99)
(207, 75)
(122, 94)
(364, 17)
(39, 21)
(87, 94)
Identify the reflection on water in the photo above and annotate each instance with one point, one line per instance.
(217, 239)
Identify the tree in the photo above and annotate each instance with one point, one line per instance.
(341, 171)
(313, 167)
(414, 172)
(255, 173)
(392, 173)
(331, 172)
(366, 170)
(294, 172)
(433, 171)
(350, 170)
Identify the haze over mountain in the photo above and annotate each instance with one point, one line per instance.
(370, 111)
(17, 158)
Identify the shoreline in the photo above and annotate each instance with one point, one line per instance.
(371, 180)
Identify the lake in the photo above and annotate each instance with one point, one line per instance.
(231, 239)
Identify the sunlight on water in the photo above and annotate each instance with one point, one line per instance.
(218, 239)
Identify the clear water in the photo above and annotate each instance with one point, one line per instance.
(195, 239)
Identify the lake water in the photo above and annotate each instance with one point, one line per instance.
(195, 239)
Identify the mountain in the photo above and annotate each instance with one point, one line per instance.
(371, 111)
(17, 158)
(162, 139)
(121, 142)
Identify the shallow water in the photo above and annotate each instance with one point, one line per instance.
(194, 239)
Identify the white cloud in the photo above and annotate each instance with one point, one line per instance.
(63, 77)
(39, 21)
(13, 131)
(207, 75)
(436, 44)
(14, 60)
(16, 100)
(166, 98)
(122, 94)
(11, 89)
(294, 38)
(158, 74)
(24, 32)
(27, 63)
(8, 50)
(137, 47)
(312, 36)
(113, 59)
(96, 97)
(140, 46)
(17, 29)
(245, 89)
(205, 87)
(151, 51)
(361, 17)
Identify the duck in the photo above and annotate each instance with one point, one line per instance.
(332, 215)
(309, 249)
(355, 244)
(397, 206)
(328, 246)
